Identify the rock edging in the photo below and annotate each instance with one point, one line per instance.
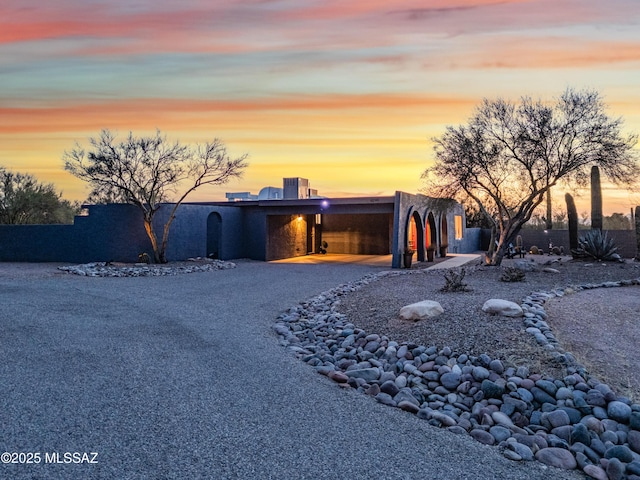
(105, 269)
(574, 422)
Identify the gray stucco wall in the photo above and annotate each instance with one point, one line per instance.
(188, 232)
(109, 232)
(116, 232)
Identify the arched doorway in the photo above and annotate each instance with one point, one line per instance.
(430, 237)
(214, 235)
(444, 236)
(415, 236)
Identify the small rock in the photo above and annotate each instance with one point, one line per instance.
(506, 308)
(633, 437)
(385, 399)
(523, 450)
(634, 421)
(557, 457)
(502, 419)
(580, 434)
(491, 389)
(595, 472)
(619, 411)
(542, 397)
(450, 381)
(500, 433)
(620, 452)
(497, 366)
(408, 406)
(483, 436)
(421, 310)
(634, 467)
(480, 373)
(390, 388)
(558, 418)
(615, 469)
(548, 387)
(595, 398)
(367, 374)
(373, 390)
(445, 420)
(337, 376)
(511, 455)
(405, 395)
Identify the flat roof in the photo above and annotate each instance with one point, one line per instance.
(303, 202)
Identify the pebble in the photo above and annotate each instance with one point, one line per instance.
(483, 436)
(524, 451)
(580, 434)
(619, 411)
(574, 422)
(633, 438)
(557, 457)
(615, 469)
(595, 472)
(620, 452)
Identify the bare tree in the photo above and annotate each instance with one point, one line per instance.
(509, 155)
(145, 171)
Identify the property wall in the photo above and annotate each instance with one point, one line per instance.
(625, 240)
(469, 243)
(109, 232)
(116, 232)
(358, 234)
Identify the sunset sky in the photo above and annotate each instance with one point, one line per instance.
(346, 93)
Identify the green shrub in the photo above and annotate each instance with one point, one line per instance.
(598, 246)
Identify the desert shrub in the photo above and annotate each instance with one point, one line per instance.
(454, 281)
(512, 274)
(596, 245)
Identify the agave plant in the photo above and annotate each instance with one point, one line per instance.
(597, 245)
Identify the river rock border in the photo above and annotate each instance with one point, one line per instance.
(107, 269)
(572, 423)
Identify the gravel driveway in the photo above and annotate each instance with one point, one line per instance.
(183, 377)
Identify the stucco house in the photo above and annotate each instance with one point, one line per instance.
(296, 223)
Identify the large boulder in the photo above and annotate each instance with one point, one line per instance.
(497, 306)
(421, 310)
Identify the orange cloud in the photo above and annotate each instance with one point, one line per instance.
(148, 113)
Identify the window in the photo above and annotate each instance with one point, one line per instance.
(458, 226)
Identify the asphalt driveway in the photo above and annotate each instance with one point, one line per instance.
(182, 377)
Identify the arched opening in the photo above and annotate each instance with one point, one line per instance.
(214, 235)
(444, 236)
(430, 237)
(415, 236)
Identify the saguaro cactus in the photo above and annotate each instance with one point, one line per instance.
(596, 199)
(549, 218)
(572, 216)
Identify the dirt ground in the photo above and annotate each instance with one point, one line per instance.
(602, 328)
